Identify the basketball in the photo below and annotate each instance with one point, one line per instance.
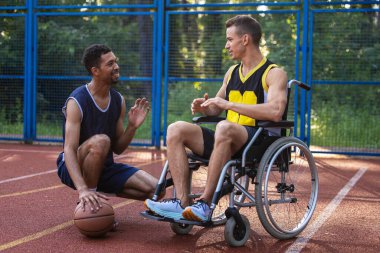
(94, 224)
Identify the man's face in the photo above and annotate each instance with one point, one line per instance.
(234, 43)
(108, 69)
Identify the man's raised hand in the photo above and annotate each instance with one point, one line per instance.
(138, 112)
(196, 104)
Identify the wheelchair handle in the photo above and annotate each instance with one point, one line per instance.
(299, 83)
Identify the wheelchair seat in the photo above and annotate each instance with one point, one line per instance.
(254, 154)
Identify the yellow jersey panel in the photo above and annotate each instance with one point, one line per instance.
(247, 98)
(250, 90)
(234, 96)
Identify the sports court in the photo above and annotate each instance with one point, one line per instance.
(172, 51)
(37, 210)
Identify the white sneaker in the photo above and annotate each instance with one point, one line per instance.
(199, 211)
(169, 208)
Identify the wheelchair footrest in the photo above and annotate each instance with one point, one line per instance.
(152, 216)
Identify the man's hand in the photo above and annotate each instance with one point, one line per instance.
(196, 104)
(216, 102)
(138, 112)
(91, 199)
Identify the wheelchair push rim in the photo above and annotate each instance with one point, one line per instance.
(287, 188)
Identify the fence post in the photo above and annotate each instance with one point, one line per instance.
(305, 52)
(309, 76)
(158, 70)
(28, 76)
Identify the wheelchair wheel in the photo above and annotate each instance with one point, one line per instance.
(287, 189)
(197, 186)
(180, 228)
(235, 235)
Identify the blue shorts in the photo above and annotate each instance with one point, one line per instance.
(111, 180)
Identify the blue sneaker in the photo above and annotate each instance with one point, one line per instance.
(168, 208)
(199, 211)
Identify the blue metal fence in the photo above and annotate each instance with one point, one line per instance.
(145, 35)
(180, 81)
(46, 80)
(342, 85)
(12, 76)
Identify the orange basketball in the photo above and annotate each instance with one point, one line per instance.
(94, 224)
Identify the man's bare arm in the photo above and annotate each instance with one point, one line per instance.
(272, 110)
(72, 132)
(136, 117)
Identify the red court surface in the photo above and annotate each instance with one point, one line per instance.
(37, 210)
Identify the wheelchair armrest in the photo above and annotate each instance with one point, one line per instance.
(280, 124)
(264, 124)
(207, 119)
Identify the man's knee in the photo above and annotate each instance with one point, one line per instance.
(224, 132)
(175, 131)
(100, 145)
(143, 182)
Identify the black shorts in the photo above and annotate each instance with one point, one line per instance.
(209, 139)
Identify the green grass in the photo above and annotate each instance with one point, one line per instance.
(51, 129)
(7, 128)
(341, 128)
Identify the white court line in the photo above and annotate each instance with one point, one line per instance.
(52, 171)
(30, 151)
(3, 158)
(51, 230)
(300, 243)
(27, 176)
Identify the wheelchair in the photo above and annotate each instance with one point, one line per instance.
(284, 178)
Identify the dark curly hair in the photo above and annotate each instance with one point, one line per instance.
(92, 54)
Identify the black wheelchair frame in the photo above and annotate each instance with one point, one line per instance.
(284, 174)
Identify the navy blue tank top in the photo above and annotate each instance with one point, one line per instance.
(94, 119)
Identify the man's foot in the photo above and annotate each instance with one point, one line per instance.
(169, 208)
(199, 211)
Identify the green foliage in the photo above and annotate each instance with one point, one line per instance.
(11, 46)
(120, 33)
(346, 44)
(344, 127)
(11, 121)
(182, 94)
(346, 116)
(345, 47)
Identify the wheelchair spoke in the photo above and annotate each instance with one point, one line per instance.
(287, 188)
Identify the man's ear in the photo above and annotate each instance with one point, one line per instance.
(246, 39)
(94, 71)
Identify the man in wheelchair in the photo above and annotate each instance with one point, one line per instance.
(253, 90)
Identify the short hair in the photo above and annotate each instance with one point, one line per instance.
(246, 24)
(92, 54)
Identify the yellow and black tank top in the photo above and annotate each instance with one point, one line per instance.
(251, 89)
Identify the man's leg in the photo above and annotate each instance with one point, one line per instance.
(229, 139)
(91, 156)
(180, 135)
(141, 185)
